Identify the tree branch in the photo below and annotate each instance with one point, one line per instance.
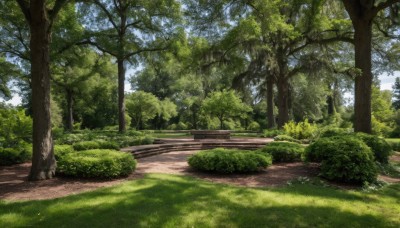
(24, 5)
(383, 5)
(56, 9)
(110, 18)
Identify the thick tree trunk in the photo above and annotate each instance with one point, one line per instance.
(270, 103)
(121, 95)
(331, 105)
(283, 98)
(363, 82)
(43, 161)
(70, 118)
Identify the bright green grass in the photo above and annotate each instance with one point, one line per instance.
(160, 200)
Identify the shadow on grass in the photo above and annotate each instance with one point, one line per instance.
(175, 201)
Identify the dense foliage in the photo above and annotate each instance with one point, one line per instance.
(284, 151)
(96, 164)
(15, 155)
(345, 159)
(381, 149)
(221, 160)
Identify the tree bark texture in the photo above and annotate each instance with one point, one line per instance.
(43, 161)
(121, 95)
(363, 82)
(283, 99)
(270, 103)
(70, 117)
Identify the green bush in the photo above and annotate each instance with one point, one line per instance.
(15, 128)
(61, 150)
(269, 133)
(284, 151)
(88, 145)
(97, 164)
(395, 144)
(20, 154)
(286, 138)
(345, 159)
(229, 161)
(330, 132)
(300, 130)
(147, 140)
(379, 147)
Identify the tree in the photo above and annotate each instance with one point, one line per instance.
(225, 104)
(396, 94)
(141, 107)
(124, 29)
(40, 17)
(382, 111)
(362, 13)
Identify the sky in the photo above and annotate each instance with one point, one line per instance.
(387, 81)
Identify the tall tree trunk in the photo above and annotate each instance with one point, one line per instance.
(270, 103)
(363, 82)
(121, 95)
(43, 161)
(283, 98)
(70, 118)
(330, 100)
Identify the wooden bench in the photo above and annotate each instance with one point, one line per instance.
(207, 134)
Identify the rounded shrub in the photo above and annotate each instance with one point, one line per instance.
(61, 150)
(229, 161)
(379, 147)
(12, 156)
(284, 151)
(96, 164)
(345, 159)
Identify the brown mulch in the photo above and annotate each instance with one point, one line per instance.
(15, 186)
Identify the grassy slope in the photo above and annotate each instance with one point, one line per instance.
(176, 201)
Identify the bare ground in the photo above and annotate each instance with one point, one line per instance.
(15, 186)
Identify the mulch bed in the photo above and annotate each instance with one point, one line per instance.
(15, 186)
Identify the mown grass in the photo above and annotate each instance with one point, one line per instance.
(160, 200)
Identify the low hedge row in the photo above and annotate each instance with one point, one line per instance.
(284, 151)
(96, 164)
(222, 160)
(88, 145)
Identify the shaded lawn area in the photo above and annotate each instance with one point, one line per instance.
(160, 200)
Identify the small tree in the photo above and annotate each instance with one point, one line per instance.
(141, 107)
(224, 105)
(396, 94)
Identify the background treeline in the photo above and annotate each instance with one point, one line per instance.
(242, 65)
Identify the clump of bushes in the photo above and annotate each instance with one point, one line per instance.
(300, 130)
(330, 132)
(345, 159)
(379, 147)
(229, 161)
(287, 138)
(17, 155)
(284, 151)
(270, 133)
(88, 145)
(96, 164)
(61, 150)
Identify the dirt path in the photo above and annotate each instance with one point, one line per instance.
(14, 184)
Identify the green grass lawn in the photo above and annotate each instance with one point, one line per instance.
(160, 200)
